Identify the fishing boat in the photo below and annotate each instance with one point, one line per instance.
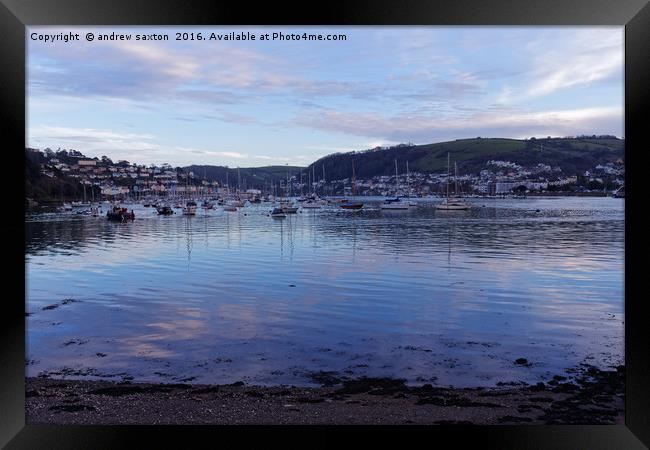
(190, 209)
(165, 210)
(452, 203)
(119, 214)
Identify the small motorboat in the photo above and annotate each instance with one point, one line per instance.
(278, 213)
(165, 210)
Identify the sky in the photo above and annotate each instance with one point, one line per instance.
(269, 102)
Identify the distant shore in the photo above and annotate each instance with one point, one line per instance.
(592, 397)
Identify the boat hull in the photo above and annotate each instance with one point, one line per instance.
(402, 206)
(453, 207)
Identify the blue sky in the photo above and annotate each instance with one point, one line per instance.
(256, 103)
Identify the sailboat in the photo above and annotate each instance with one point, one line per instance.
(452, 203)
(313, 201)
(395, 203)
(286, 205)
(408, 187)
(350, 204)
(190, 207)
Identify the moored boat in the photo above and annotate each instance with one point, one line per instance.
(394, 204)
(119, 214)
(351, 205)
(165, 210)
(346, 204)
(288, 208)
(278, 212)
(452, 203)
(190, 209)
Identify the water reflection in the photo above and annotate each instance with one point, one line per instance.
(416, 294)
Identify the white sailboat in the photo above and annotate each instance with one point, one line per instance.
(452, 203)
(286, 205)
(313, 201)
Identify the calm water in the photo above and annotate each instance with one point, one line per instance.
(448, 298)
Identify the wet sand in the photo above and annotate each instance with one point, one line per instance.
(589, 396)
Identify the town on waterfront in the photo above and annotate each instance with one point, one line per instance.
(68, 175)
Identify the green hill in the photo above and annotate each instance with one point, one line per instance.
(250, 177)
(572, 155)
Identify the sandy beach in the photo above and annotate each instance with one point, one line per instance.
(591, 396)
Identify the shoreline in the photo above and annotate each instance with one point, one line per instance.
(593, 397)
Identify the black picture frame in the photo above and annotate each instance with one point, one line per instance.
(15, 15)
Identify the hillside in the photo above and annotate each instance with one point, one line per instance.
(251, 177)
(571, 155)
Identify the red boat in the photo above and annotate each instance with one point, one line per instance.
(120, 214)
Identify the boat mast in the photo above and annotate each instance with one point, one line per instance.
(456, 178)
(353, 189)
(324, 193)
(396, 179)
(408, 181)
(447, 175)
